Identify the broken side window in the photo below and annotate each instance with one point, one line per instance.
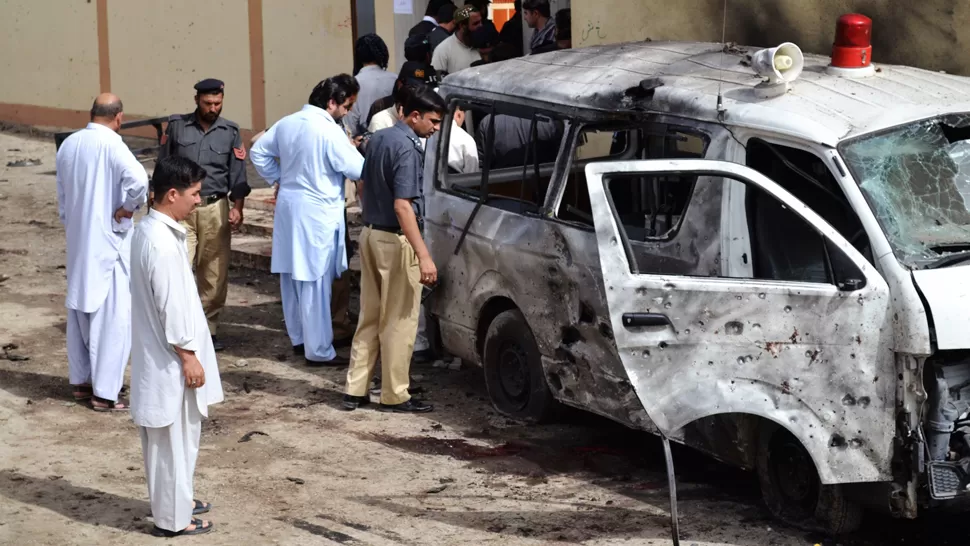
(651, 210)
(518, 147)
(916, 178)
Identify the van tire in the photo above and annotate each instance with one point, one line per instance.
(514, 377)
(792, 490)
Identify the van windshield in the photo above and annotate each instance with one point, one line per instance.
(916, 178)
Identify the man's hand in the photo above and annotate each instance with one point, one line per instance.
(429, 272)
(193, 372)
(276, 190)
(122, 213)
(235, 217)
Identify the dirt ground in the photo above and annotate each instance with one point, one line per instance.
(283, 465)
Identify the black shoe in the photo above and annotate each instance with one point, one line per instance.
(298, 350)
(411, 406)
(335, 362)
(423, 356)
(351, 402)
(341, 343)
(217, 345)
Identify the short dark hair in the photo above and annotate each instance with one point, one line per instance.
(403, 93)
(435, 5)
(337, 88)
(542, 6)
(174, 171)
(106, 110)
(370, 49)
(564, 24)
(423, 100)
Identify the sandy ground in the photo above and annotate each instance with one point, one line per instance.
(312, 474)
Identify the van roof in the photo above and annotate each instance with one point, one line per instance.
(819, 107)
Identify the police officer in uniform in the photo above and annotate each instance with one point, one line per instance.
(215, 143)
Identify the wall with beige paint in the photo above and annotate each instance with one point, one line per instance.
(928, 33)
(303, 43)
(49, 53)
(159, 50)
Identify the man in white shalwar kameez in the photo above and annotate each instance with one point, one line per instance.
(99, 186)
(309, 153)
(174, 373)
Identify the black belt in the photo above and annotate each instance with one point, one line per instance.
(395, 230)
(210, 199)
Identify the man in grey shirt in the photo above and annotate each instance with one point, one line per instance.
(371, 55)
(394, 261)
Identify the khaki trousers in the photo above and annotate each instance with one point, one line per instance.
(209, 241)
(390, 297)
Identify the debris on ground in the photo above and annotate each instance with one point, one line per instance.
(24, 163)
(437, 489)
(9, 354)
(249, 435)
(297, 481)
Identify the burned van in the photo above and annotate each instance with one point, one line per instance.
(757, 253)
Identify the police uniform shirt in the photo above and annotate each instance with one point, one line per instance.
(393, 169)
(219, 151)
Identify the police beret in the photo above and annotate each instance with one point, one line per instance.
(210, 85)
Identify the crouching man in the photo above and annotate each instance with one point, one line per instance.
(174, 375)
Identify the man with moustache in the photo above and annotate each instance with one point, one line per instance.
(214, 142)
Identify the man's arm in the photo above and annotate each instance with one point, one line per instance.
(134, 186)
(265, 154)
(345, 158)
(61, 195)
(238, 185)
(171, 298)
(407, 176)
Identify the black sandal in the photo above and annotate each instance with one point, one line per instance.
(201, 507)
(199, 530)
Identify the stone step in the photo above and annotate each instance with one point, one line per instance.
(255, 251)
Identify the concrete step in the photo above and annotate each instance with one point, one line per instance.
(258, 221)
(255, 251)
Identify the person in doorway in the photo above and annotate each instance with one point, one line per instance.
(214, 142)
(457, 52)
(394, 259)
(371, 56)
(430, 21)
(311, 156)
(538, 16)
(100, 184)
(445, 28)
(174, 373)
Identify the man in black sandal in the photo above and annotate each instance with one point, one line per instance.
(174, 373)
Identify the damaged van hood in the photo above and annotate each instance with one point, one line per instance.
(947, 293)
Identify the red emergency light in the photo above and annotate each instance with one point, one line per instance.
(853, 42)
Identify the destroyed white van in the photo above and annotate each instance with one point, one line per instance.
(759, 254)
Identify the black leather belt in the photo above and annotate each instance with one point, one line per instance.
(395, 230)
(210, 199)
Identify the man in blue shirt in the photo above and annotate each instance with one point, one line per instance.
(310, 155)
(394, 261)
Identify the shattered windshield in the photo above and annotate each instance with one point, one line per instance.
(917, 180)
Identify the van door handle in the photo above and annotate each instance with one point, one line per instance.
(632, 320)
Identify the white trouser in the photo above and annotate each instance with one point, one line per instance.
(99, 343)
(170, 454)
(306, 310)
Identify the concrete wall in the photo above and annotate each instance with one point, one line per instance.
(49, 54)
(927, 33)
(58, 54)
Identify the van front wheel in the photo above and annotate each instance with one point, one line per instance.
(514, 377)
(792, 490)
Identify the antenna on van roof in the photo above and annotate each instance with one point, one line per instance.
(720, 76)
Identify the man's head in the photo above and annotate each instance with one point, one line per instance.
(107, 110)
(446, 17)
(468, 20)
(208, 99)
(435, 5)
(176, 185)
(417, 49)
(370, 49)
(336, 95)
(535, 12)
(564, 33)
(459, 116)
(423, 111)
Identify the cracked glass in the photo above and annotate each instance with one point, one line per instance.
(916, 178)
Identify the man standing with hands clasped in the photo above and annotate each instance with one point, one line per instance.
(174, 374)
(214, 142)
(394, 261)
